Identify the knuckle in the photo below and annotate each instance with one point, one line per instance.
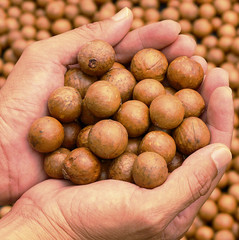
(199, 182)
(35, 48)
(90, 31)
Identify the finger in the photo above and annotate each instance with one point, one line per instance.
(41, 67)
(220, 115)
(188, 183)
(156, 35)
(215, 78)
(184, 219)
(202, 61)
(64, 47)
(183, 46)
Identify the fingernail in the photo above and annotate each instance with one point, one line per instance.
(228, 89)
(221, 157)
(123, 13)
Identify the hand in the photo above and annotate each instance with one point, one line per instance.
(105, 209)
(41, 69)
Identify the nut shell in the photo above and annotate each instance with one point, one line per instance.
(159, 142)
(166, 111)
(96, 57)
(46, 134)
(102, 99)
(192, 101)
(77, 79)
(149, 63)
(108, 139)
(121, 167)
(184, 72)
(191, 135)
(147, 90)
(134, 115)
(53, 162)
(64, 104)
(82, 138)
(149, 170)
(123, 80)
(81, 166)
(71, 131)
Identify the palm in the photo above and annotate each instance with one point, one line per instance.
(39, 71)
(17, 114)
(116, 205)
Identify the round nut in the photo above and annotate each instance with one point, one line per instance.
(191, 135)
(134, 115)
(159, 142)
(108, 139)
(149, 170)
(96, 57)
(166, 111)
(192, 101)
(121, 167)
(184, 72)
(46, 134)
(123, 80)
(64, 104)
(53, 162)
(149, 63)
(102, 99)
(81, 166)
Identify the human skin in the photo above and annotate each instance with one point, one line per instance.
(109, 209)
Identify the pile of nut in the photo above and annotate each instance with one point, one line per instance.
(104, 108)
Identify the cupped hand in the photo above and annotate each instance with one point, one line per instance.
(41, 69)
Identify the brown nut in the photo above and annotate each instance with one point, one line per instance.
(147, 90)
(149, 63)
(204, 233)
(133, 145)
(105, 165)
(191, 135)
(82, 138)
(121, 167)
(192, 101)
(222, 221)
(108, 139)
(86, 116)
(149, 170)
(71, 131)
(64, 104)
(123, 80)
(134, 115)
(53, 162)
(46, 134)
(159, 142)
(96, 57)
(208, 211)
(184, 72)
(227, 203)
(77, 79)
(102, 99)
(81, 166)
(224, 234)
(166, 111)
(176, 162)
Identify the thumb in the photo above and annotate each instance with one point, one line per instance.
(191, 181)
(63, 48)
(42, 65)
